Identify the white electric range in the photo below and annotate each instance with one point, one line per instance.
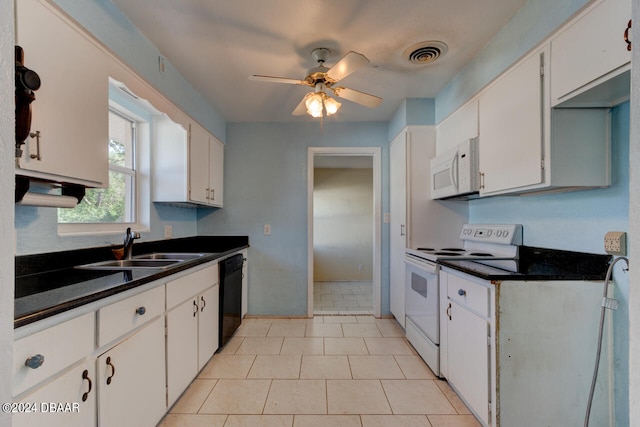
(491, 244)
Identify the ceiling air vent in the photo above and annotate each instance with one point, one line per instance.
(425, 52)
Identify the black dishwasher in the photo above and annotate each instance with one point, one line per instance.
(230, 297)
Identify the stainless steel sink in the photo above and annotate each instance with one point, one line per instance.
(157, 261)
(171, 256)
(127, 264)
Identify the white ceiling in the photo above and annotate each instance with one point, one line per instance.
(217, 44)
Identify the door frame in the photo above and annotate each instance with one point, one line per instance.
(376, 154)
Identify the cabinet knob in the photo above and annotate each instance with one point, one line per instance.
(141, 310)
(462, 292)
(34, 362)
(626, 36)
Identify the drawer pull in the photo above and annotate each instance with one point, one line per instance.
(449, 311)
(196, 308)
(85, 376)
(462, 292)
(34, 362)
(141, 310)
(113, 370)
(204, 303)
(626, 36)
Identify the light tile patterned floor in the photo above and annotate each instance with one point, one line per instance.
(327, 371)
(342, 298)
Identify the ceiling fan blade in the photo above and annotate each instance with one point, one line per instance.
(356, 96)
(278, 80)
(301, 109)
(347, 65)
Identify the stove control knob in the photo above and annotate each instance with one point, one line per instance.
(462, 292)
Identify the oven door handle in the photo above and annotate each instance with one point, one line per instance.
(423, 265)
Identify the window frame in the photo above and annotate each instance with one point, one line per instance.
(141, 189)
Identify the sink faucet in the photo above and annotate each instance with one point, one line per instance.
(129, 237)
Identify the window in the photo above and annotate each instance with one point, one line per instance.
(115, 204)
(122, 203)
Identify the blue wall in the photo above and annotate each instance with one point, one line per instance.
(265, 182)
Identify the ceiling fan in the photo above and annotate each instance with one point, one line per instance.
(322, 79)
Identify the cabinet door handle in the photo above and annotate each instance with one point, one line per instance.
(402, 229)
(481, 180)
(207, 190)
(141, 311)
(213, 194)
(195, 308)
(449, 311)
(204, 303)
(626, 36)
(36, 135)
(113, 370)
(85, 376)
(34, 362)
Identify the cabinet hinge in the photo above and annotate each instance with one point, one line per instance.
(489, 410)
(489, 341)
(542, 70)
(541, 163)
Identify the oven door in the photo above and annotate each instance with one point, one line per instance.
(422, 296)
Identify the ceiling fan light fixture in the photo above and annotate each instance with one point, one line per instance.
(314, 104)
(331, 105)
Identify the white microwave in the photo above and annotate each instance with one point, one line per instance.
(455, 172)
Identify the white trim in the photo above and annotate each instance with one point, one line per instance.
(376, 154)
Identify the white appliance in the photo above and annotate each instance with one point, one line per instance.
(455, 172)
(493, 244)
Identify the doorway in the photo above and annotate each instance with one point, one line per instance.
(344, 230)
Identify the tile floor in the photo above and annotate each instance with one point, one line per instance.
(326, 371)
(342, 298)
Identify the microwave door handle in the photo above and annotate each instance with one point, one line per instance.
(453, 171)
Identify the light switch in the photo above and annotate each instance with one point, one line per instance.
(168, 231)
(267, 229)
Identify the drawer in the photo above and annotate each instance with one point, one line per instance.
(181, 289)
(123, 316)
(60, 346)
(469, 294)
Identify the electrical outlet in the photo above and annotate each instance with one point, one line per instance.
(267, 229)
(168, 231)
(615, 243)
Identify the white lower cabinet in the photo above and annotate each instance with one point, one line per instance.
(67, 401)
(521, 353)
(131, 380)
(192, 327)
(468, 344)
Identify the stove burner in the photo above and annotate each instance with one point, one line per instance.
(452, 249)
(447, 253)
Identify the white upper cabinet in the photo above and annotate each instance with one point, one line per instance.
(526, 146)
(188, 164)
(70, 112)
(511, 128)
(590, 51)
(460, 126)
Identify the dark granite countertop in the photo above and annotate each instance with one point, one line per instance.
(539, 264)
(48, 283)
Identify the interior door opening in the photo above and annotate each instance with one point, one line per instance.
(344, 232)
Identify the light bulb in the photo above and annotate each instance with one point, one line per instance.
(331, 105)
(314, 105)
